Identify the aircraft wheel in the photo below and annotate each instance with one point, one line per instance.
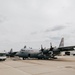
(39, 58)
(55, 57)
(4, 59)
(23, 58)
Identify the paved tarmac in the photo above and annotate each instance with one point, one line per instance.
(64, 65)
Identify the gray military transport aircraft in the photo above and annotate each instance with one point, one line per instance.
(49, 53)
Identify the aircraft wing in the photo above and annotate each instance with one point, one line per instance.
(67, 48)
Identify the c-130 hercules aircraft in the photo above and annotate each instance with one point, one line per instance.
(49, 53)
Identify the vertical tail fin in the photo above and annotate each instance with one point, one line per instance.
(11, 50)
(61, 43)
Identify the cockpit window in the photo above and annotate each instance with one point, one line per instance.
(22, 50)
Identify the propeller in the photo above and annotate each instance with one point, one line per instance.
(51, 51)
(51, 48)
(25, 46)
(42, 48)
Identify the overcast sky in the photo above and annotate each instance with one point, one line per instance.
(36, 22)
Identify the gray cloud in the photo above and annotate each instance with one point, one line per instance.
(55, 38)
(2, 18)
(33, 20)
(47, 30)
(33, 33)
(56, 28)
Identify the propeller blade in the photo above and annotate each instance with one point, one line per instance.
(42, 48)
(50, 45)
(51, 48)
